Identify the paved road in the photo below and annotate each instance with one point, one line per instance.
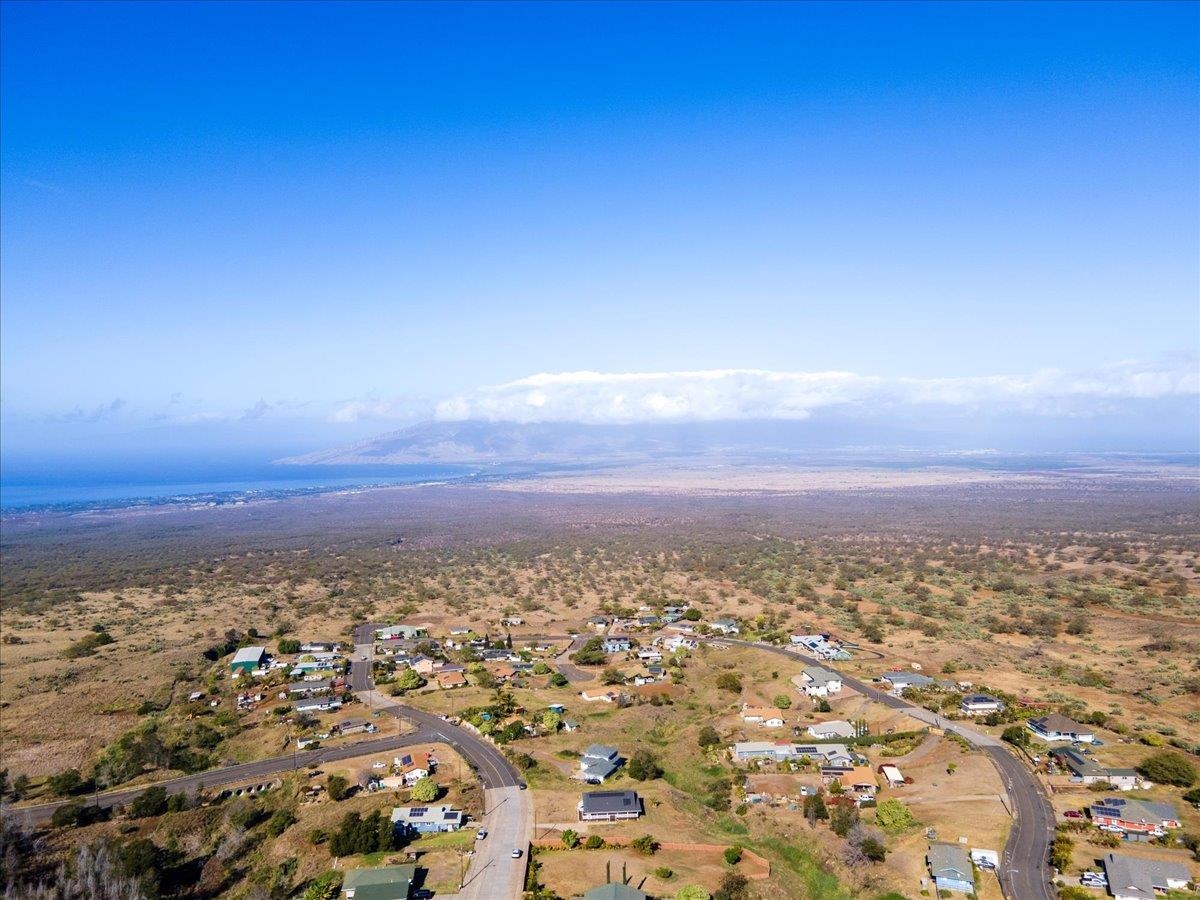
(243, 772)
(1025, 873)
(570, 671)
(508, 808)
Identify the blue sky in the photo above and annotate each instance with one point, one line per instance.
(301, 224)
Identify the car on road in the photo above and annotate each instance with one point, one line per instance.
(523, 786)
(516, 854)
(364, 657)
(481, 834)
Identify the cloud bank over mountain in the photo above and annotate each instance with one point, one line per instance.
(754, 394)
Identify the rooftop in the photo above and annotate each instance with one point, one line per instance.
(610, 801)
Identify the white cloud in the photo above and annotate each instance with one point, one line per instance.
(717, 394)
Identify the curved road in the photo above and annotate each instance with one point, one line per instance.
(508, 809)
(261, 768)
(1025, 870)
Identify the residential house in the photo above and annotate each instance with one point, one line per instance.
(356, 726)
(899, 682)
(401, 632)
(835, 729)
(512, 620)
(381, 883)
(1133, 816)
(427, 819)
(679, 642)
(598, 763)
(609, 806)
(1133, 878)
(597, 622)
(892, 775)
(820, 682)
(980, 705)
(318, 647)
(834, 757)
(682, 627)
(615, 645)
(502, 672)
(726, 626)
(600, 696)
(1088, 771)
(766, 716)
(450, 679)
(308, 688)
(412, 767)
(570, 725)
(248, 659)
(859, 781)
(1055, 727)
(650, 656)
(318, 704)
(951, 868)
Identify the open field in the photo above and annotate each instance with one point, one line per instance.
(1077, 594)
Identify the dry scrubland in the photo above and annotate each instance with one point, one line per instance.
(1082, 592)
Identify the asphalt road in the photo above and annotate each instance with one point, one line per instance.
(508, 808)
(570, 671)
(1025, 872)
(243, 772)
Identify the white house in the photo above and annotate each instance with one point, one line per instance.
(834, 729)
(1055, 727)
(765, 716)
(820, 682)
(980, 705)
(679, 642)
(726, 626)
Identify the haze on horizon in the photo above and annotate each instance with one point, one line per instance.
(264, 229)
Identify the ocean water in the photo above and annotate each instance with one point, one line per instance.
(219, 483)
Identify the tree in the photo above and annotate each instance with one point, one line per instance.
(593, 842)
(1017, 735)
(324, 887)
(874, 849)
(426, 790)
(728, 681)
(692, 614)
(708, 737)
(337, 786)
(666, 873)
(783, 701)
(892, 815)
(407, 680)
(611, 676)
(1168, 768)
(645, 845)
(732, 887)
(590, 654)
(66, 783)
(733, 855)
(551, 721)
(288, 646)
(1061, 851)
(570, 839)
(643, 766)
(815, 809)
(692, 892)
(150, 802)
(823, 706)
(280, 821)
(540, 668)
(842, 819)
(558, 679)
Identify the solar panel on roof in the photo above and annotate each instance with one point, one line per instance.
(450, 815)
(419, 811)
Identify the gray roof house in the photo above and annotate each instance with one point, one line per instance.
(951, 868)
(609, 806)
(1130, 878)
(820, 682)
(598, 763)
(902, 681)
